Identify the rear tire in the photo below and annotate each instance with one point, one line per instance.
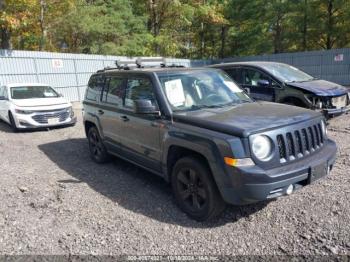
(12, 123)
(195, 190)
(98, 151)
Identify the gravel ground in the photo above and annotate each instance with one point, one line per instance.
(55, 200)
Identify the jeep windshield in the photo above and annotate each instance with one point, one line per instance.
(287, 73)
(196, 89)
(29, 92)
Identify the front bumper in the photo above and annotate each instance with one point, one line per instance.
(31, 122)
(252, 184)
(336, 111)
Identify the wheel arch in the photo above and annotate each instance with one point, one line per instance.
(176, 152)
(87, 125)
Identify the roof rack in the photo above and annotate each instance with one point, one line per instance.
(144, 63)
(106, 69)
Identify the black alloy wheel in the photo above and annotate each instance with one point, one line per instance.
(98, 151)
(195, 190)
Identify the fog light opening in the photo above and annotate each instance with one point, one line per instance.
(290, 189)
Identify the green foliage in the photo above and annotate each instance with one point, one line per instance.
(177, 28)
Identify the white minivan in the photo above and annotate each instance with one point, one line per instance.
(33, 105)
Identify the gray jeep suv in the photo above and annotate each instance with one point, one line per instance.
(202, 133)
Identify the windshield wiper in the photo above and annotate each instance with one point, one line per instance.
(196, 107)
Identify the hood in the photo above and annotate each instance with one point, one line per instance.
(246, 119)
(321, 87)
(37, 102)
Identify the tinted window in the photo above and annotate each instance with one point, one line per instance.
(139, 88)
(28, 92)
(114, 92)
(95, 87)
(236, 74)
(251, 77)
(1, 91)
(286, 72)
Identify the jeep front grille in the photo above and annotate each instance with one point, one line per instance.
(298, 143)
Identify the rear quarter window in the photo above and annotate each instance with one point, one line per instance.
(95, 87)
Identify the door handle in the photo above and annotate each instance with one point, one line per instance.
(101, 112)
(125, 118)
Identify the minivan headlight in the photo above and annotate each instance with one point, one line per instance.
(261, 147)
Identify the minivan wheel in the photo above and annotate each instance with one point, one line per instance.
(195, 190)
(12, 123)
(98, 151)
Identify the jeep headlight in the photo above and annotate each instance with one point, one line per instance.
(261, 147)
(324, 128)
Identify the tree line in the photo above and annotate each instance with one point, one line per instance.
(175, 28)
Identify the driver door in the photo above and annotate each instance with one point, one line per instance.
(258, 84)
(140, 134)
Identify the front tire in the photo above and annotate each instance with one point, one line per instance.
(195, 190)
(12, 123)
(98, 151)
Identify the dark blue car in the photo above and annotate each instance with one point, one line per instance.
(282, 83)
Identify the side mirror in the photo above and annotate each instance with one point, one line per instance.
(3, 98)
(61, 95)
(263, 83)
(144, 106)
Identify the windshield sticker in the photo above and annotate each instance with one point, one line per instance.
(233, 87)
(175, 92)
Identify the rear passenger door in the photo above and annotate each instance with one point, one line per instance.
(109, 111)
(258, 84)
(140, 133)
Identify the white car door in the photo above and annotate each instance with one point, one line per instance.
(3, 103)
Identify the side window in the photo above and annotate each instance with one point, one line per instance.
(252, 77)
(138, 88)
(5, 94)
(114, 94)
(2, 91)
(235, 74)
(95, 87)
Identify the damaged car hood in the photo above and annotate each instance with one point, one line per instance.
(320, 87)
